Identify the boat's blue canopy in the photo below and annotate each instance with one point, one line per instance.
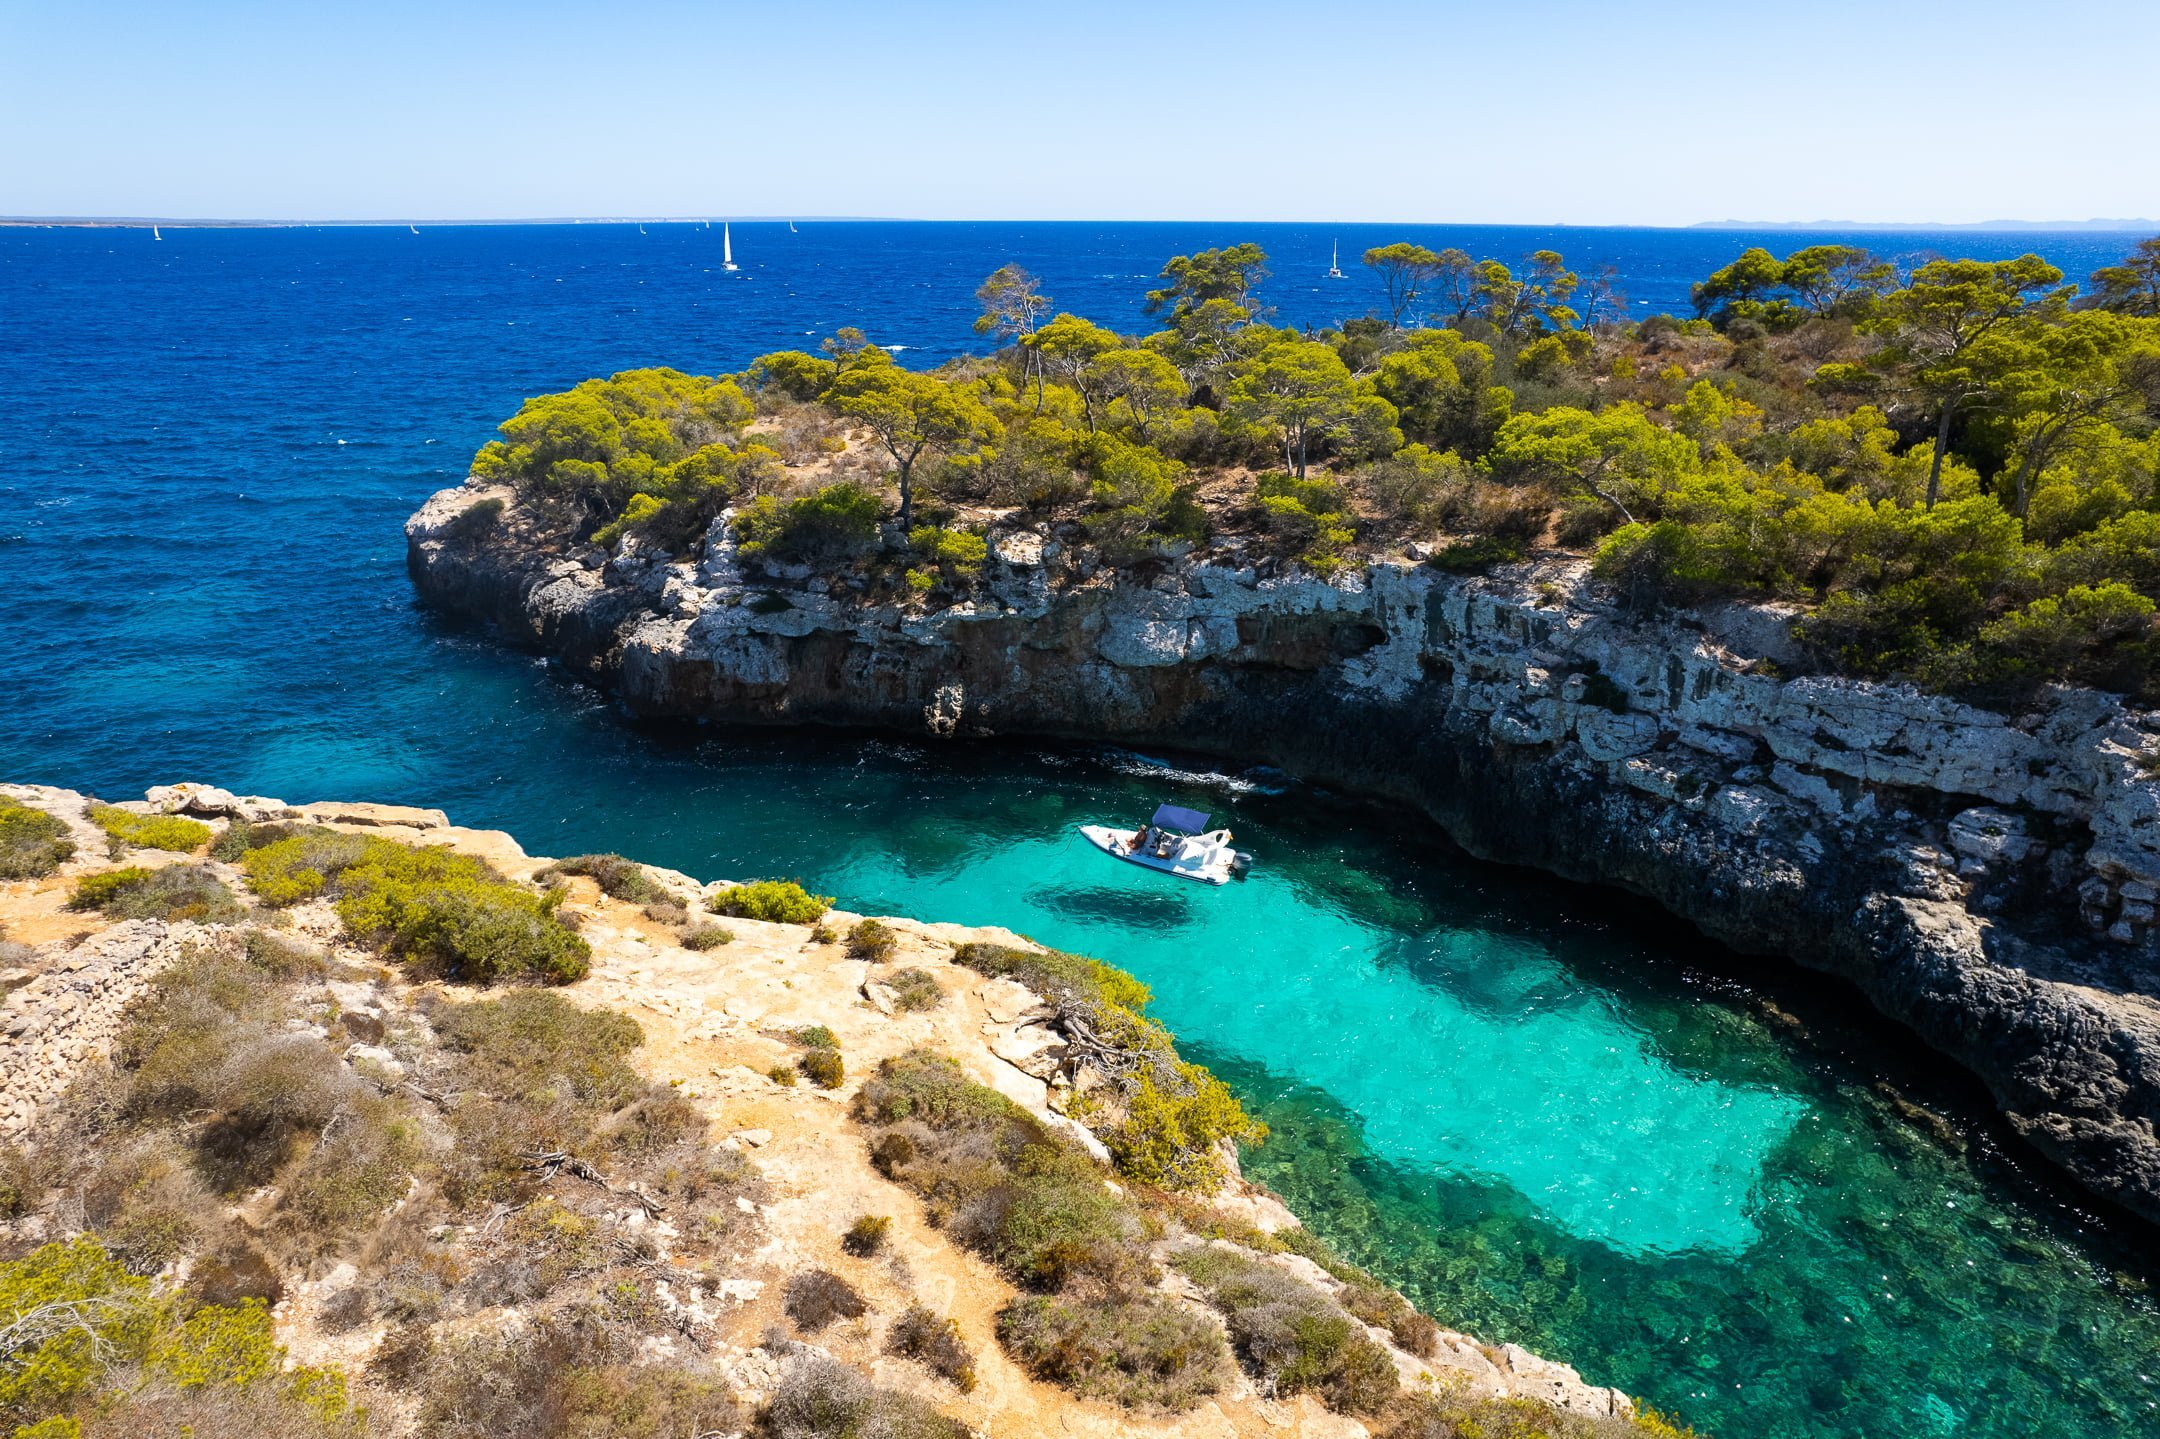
(1185, 821)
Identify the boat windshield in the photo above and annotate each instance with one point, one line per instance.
(1180, 820)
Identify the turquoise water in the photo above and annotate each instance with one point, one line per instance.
(1548, 1116)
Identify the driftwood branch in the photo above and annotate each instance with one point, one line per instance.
(547, 1163)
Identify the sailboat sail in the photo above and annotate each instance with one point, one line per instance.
(727, 247)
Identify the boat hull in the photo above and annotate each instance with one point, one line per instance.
(1114, 843)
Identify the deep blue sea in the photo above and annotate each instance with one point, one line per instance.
(1549, 1116)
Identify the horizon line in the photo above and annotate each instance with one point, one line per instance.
(2091, 226)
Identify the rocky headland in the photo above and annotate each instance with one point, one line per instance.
(707, 1281)
(1987, 880)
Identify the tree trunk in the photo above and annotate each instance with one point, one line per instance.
(907, 495)
(1942, 444)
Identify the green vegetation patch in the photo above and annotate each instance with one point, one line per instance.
(32, 843)
(174, 892)
(1290, 1335)
(128, 830)
(776, 901)
(835, 522)
(1033, 1203)
(427, 905)
(1165, 1119)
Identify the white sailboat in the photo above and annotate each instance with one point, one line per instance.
(154, 233)
(791, 228)
(1334, 264)
(727, 248)
(412, 227)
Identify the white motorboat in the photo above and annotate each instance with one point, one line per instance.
(1177, 841)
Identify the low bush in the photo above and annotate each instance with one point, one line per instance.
(535, 1045)
(1375, 1303)
(816, 1298)
(175, 892)
(282, 958)
(823, 1067)
(1142, 1353)
(1292, 1337)
(32, 843)
(836, 522)
(617, 877)
(427, 905)
(1453, 1414)
(821, 1398)
(707, 936)
(815, 1036)
(128, 830)
(782, 1075)
(1165, 1121)
(575, 1374)
(866, 1236)
(776, 901)
(915, 989)
(872, 940)
(933, 1342)
(241, 837)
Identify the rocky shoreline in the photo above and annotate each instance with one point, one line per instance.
(1988, 882)
(712, 1021)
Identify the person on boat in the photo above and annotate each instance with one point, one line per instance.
(1139, 841)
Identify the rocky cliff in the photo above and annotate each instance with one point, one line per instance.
(1988, 881)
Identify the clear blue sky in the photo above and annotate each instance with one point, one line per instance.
(1565, 111)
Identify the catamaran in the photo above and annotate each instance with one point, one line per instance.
(1334, 264)
(1176, 841)
(727, 248)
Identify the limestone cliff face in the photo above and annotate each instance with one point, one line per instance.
(1990, 882)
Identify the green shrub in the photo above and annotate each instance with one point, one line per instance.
(32, 843)
(429, 905)
(617, 877)
(358, 1171)
(175, 892)
(866, 1236)
(933, 1342)
(707, 936)
(776, 901)
(1168, 1118)
(872, 940)
(823, 1067)
(915, 989)
(282, 958)
(816, 1036)
(816, 1298)
(833, 523)
(129, 830)
(1142, 1353)
(782, 1075)
(1290, 1335)
(954, 554)
(1442, 1413)
(1308, 517)
(1055, 975)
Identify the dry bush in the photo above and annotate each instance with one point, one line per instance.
(820, 1398)
(823, 1067)
(236, 1270)
(818, 1297)
(935, 1343)
(1291, 1336)
(569, 1376)
(1144, 1353)
(617, 877)
(866, 1236)
(872, 940)
(915, 989)
(707, 936)
(1375, 1303)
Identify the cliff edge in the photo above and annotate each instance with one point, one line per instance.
(1987, 880)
